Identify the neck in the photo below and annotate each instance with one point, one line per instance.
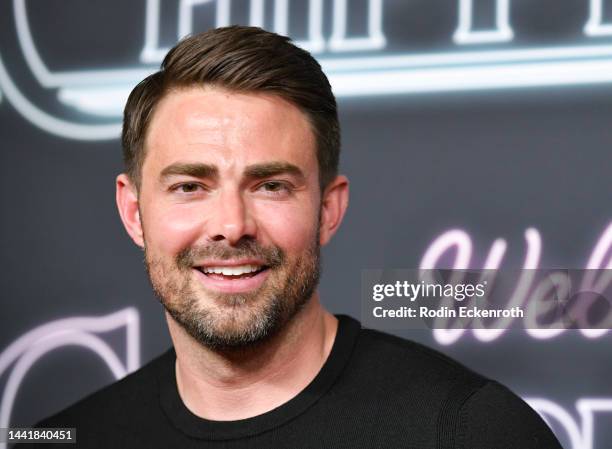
(246, 382)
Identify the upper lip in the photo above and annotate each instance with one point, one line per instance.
(231, 263)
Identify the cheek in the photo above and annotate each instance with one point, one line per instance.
(291, 227)
(173, 228)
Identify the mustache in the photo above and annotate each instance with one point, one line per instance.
(273, 256)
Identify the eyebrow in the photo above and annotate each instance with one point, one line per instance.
(196, 170)
(256, 171)
(265, 170)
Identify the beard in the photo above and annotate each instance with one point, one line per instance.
(224, 321)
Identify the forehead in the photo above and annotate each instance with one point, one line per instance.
(227, 129)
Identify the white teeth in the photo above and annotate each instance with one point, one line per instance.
(232, 271)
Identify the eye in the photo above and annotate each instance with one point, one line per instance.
(188, 187)
(275, 187)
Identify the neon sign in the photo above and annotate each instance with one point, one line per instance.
(580, 435)
(366, 62)
(21, 355)
(460, 242)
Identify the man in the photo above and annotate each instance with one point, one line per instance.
(231, 187)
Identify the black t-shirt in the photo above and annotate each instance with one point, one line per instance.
(374, 391)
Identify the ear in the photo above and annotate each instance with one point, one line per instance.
(127, 203)
(333, 206)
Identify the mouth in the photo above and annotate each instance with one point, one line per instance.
(233, 277)
(232, 272)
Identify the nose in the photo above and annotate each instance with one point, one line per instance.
(230, 219)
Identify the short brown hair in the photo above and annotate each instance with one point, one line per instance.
(241, 59)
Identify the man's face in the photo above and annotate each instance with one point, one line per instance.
(229, 206)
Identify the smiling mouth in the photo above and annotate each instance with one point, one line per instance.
(233, 272)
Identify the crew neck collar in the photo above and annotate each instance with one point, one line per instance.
(183, 419)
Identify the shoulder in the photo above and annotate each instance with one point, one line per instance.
(416, 362)
(435, 395)
(412, 373)
(495, 417)
(120, 403)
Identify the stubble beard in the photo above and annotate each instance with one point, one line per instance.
(224, 321)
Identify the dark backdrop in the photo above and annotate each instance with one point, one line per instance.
(492, 161)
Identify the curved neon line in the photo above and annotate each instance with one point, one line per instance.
(127, 317)
(38, 67)
(518, 297)
(48, 79)
(42, 347)
(496, 254)
(453, 238)
(596, 262)
(52, 125)
(557, 283)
